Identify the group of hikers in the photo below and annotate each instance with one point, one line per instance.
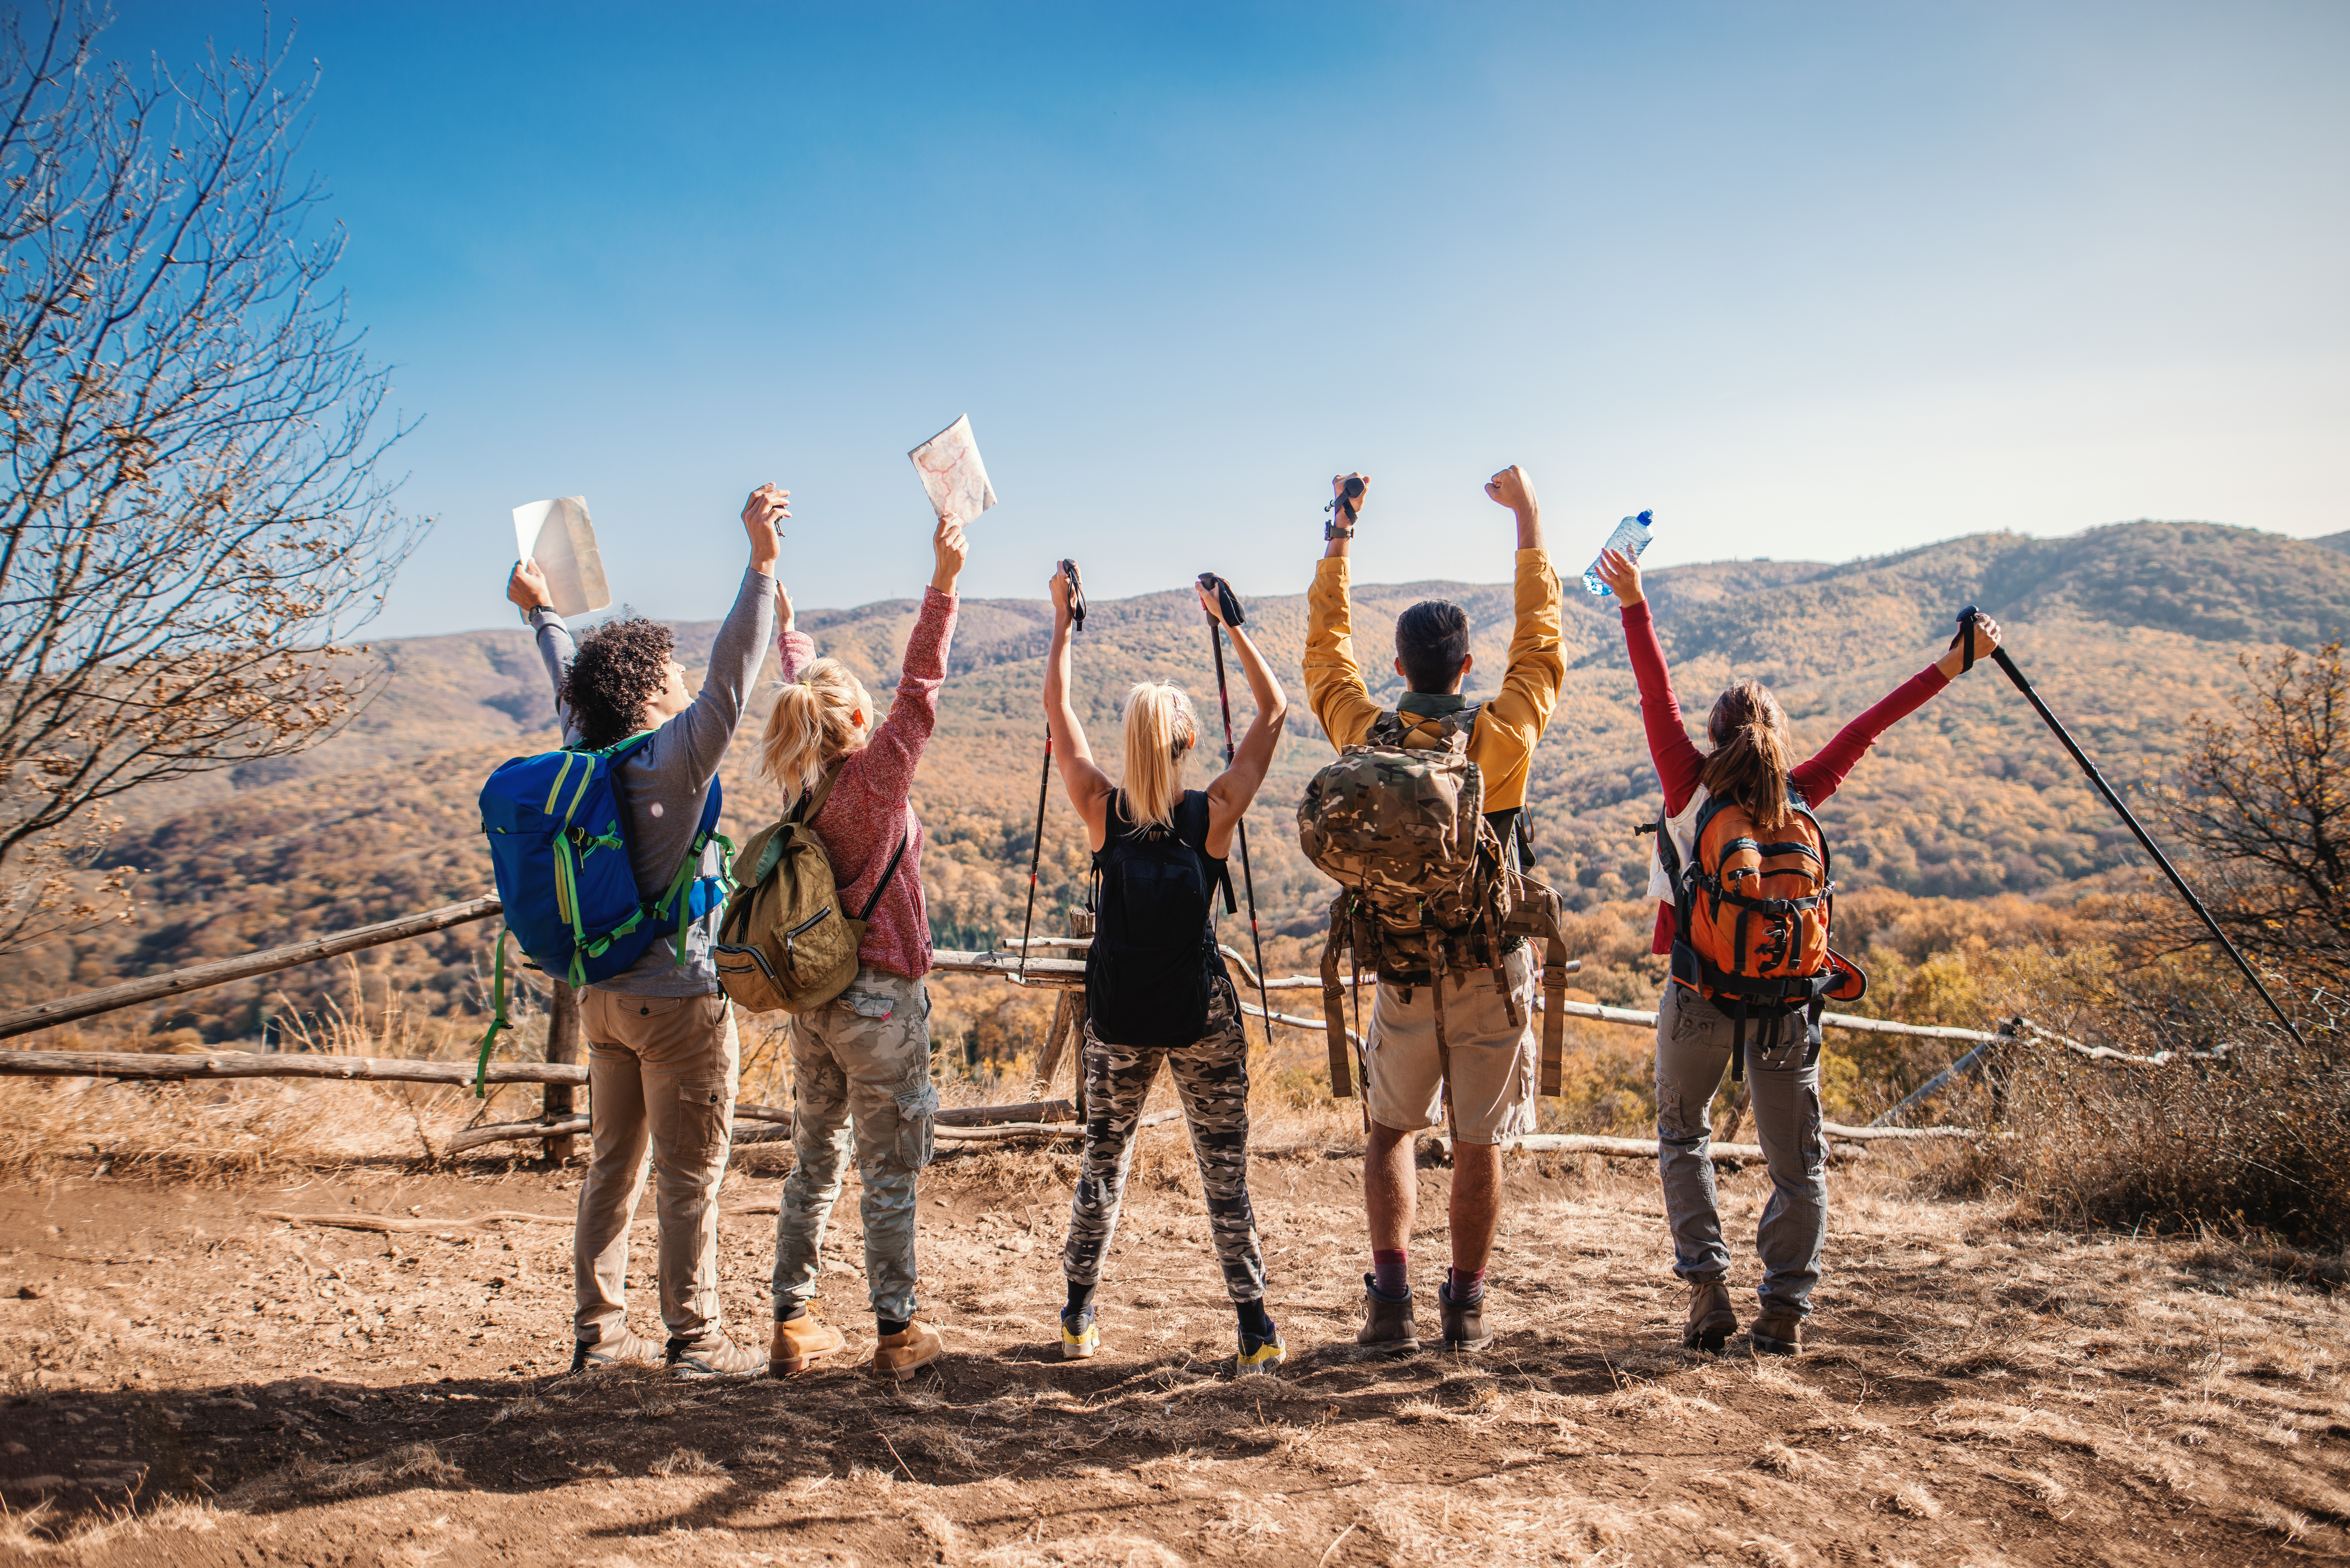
(1742, 878)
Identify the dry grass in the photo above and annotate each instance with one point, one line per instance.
(2257, 1145)
(1970, 1367)
(244, 1129)
(1588, 1438)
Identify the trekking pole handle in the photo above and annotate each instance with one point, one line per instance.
(1228, 603)
(1967, 619)
(1076, 594)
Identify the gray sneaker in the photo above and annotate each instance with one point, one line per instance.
(624, 1349)
(715, 1356)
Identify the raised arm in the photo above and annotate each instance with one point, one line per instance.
(527, 589)
(1229, 796)
(1679, 765)
(1537, 665)
(1342, 705)
(1089, 788)
(885, 778)
(1824, 775)
(795, 649)
(706, 728)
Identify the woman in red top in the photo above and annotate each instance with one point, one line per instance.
(863, 1057)
(1750, 763)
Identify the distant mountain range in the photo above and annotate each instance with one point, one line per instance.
(2125, 630)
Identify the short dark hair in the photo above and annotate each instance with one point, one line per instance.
(1432, 644)
(620, 666)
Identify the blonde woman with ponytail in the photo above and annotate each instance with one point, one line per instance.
(861, 1063)
(1752, 764)
(1156, 986)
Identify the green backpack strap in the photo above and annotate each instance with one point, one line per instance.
(689, 872)
(498, 1019)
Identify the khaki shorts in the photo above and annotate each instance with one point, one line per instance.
(1493, 1059)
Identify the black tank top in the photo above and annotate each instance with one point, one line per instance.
(1153, 963)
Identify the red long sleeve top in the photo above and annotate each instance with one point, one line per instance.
(870, 807)
(1681, 767)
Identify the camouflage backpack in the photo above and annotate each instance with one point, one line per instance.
(1424, 890)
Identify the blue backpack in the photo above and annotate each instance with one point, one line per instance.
(559, 846)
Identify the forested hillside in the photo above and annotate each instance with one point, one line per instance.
(2126, 629)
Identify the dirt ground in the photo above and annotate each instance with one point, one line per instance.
(190, 1380)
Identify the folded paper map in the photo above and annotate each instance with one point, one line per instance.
(953, 474)
(558, 536)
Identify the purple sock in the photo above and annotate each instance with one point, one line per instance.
(1388, 1276)
(1466, 1286)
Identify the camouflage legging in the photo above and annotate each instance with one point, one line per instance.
(1211, 1076)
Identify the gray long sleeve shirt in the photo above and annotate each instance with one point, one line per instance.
(664, 783)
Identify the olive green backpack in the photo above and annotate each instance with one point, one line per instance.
(787, 943)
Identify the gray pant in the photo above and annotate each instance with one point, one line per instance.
(860, 1069)
(1692, 1056)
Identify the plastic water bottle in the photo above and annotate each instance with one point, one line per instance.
(1631, 537)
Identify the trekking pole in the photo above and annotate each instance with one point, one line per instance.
(1228, 604)
(1044, 783)
(1967, 619)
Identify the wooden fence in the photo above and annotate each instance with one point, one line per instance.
(562, 1072)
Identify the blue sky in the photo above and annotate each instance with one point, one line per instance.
(1818, 281)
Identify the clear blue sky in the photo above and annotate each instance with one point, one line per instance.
(1816, 281)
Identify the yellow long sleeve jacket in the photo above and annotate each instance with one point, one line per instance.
(1508, 727)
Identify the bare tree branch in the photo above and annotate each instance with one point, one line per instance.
(191, 517)
(2264, 801)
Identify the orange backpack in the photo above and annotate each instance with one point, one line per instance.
(1751, 917)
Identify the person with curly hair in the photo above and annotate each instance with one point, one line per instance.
(663, 1056)
(615, 673)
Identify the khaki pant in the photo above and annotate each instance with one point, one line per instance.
(861, 1075)
(661, 1070)
(1493, 1059)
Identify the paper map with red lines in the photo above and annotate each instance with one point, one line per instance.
(952, 474)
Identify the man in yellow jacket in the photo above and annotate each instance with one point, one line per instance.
(1493, 1066)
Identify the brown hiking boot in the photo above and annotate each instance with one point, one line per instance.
(1778, 1334)
(1387, 1325)
(799, 1343)
(1463, 1323)
(900, 1356)
(1710, 1320)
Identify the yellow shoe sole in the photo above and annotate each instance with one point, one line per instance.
(1265, 1359)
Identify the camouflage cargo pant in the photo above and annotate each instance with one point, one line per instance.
(1211, 1076)
(860, 1069)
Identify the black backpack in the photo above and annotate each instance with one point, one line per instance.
(1153, 964)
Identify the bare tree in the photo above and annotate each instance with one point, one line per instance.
(191, 521)
(2265, 801)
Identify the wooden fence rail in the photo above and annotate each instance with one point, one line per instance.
(1061, 974)
(199, 977)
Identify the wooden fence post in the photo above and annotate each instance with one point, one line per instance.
(562, 1046)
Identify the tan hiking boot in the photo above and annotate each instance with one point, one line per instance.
(900, 1356)
(1387, 1325)
(799, 1344)
(1711, 1321)
(622, 1349)
(715, 1356)
(1778, 1334)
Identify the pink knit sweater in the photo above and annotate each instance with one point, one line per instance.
(869, 807)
